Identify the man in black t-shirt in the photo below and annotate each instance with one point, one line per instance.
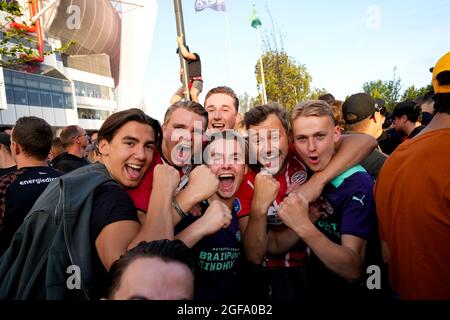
(126, 142)
(195, 73)
(31, 142)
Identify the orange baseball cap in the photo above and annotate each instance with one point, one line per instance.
(441, 75)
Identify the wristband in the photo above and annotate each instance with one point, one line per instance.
(178, 209)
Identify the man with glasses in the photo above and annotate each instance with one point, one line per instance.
(75, 140)
(362, 114)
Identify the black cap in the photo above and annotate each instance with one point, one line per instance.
(5, 139)
(358, 107)
(381, 106)
(380, 102)
(408, 108)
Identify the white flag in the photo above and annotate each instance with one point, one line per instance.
(218, 5)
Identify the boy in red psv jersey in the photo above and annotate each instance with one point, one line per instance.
(260, 193)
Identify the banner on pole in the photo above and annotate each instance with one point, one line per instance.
(218, 5)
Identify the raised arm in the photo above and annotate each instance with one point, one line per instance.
(184, 51)
(345, 259)
(217, 216)
(282, 241)
(203, 183)
(158, 223)
(253, 228)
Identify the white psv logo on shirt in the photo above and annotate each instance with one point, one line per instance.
(299, 177)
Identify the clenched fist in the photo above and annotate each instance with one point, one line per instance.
(266, 191)
(294, 210)
(217, 216)
(165, 177)
(203, 183)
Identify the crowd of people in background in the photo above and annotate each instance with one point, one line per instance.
(338, 199)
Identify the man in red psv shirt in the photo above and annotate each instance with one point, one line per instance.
(181, 140)
(279, 172)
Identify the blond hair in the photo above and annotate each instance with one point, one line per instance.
(313, 108)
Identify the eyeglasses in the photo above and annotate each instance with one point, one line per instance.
(82, 135)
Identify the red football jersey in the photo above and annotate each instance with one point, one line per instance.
(294, 172)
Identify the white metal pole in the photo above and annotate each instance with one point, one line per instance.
(263, 81)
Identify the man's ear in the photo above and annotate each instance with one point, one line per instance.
(163, 130)
(375, 116)
(337, 133)
(103, 147)
(15, 148)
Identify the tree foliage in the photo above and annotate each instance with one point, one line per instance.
(411, 93)
(16, 45)
(317, 92)
(286, 81)
(388, 90)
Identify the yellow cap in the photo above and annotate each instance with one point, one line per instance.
(442, 65)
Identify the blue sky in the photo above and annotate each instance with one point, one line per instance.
(342, 43)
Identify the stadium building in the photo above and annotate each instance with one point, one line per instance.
(101, 73)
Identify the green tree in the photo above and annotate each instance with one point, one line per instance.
(389, 90)
(317, 92)
(15, 44)
(411, 93)
(287, 82)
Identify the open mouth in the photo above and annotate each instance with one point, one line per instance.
(226, 182)
(183, 153)
(133, 171)
(218, 126)
(314, 159)
(271, 160)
